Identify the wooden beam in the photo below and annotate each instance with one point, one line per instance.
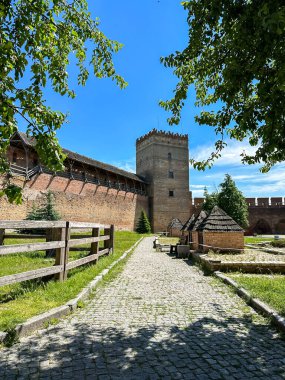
(30, 275)
(107, 232)
(86, 225)
(31, 224)
(2, 236)
(75, 242)
(23, 236)
(66, 251)
(30, 247)
(112, 237)
(59, 234)
(95, 245)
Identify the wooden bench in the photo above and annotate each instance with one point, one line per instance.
(160, 247)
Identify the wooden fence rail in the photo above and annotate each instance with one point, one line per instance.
(59, 238)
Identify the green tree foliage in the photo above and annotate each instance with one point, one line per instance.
(37, 40)
(45, 212)
(235, 59)
(143, 226)
(230, 199)
(210, 200)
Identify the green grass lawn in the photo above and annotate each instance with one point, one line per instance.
(268, 288)
(18, 302)
(168, 240)
(256, 239)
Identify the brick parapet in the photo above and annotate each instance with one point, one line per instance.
(163, 135)
(252, 202)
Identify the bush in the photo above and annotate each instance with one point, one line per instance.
(278, 243)
(143, 226)
(45, 212)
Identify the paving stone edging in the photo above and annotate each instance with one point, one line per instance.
(258, 305)
(215, 265)
(267, 250)
(37, 322)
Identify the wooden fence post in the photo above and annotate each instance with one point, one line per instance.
(95, 246)
(59, 234)
(49, 237)
(2, 236)
(109, 244)
(66, 251)
(112, 232)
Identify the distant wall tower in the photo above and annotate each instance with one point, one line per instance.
(162, 158)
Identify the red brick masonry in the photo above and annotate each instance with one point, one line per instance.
(79, 201)
(232, 240)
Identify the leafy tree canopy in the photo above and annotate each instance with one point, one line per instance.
(210, 200)
(230, 199)
(235, 56)
(37, 40)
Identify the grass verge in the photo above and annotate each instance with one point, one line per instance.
(256, 239)
(268, 288)
(21, 301)
(168, 240)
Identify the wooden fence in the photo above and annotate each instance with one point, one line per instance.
(59, 238)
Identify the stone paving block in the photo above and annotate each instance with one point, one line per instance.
(160, 318)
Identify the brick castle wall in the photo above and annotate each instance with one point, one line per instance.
(266, 215)
(233, 240)
(78, 201)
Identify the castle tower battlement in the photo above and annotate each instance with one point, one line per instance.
(162, 158)
(162, 135)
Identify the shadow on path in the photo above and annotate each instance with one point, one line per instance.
(231, 348)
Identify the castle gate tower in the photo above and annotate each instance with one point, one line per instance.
(162, 158)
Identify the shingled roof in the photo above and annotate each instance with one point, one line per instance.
(175, 223)
(30, 142)
(189, 224)
(219, 221)
(199, 219)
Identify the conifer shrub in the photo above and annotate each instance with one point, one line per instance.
(45, 212)
(143, 226)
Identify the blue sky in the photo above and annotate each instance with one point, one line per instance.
(105, 121)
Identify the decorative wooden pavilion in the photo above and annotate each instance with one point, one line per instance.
(174, 227)
(194, 237)
(219, 232)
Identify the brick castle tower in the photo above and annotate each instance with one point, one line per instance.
(162, 158)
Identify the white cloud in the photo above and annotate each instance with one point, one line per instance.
(198, 187)
(128, 165)
(231, 155)
(197, 193)
(248, 178)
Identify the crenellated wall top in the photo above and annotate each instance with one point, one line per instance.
(251, 202)
(160, 133)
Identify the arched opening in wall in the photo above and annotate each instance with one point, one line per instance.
(280, 227)
(262, 227)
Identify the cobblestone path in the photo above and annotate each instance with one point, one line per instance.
(159, 319)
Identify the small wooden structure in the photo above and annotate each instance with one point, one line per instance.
(174, 227)
(186, 229)
(219, 232)
(195, 237)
